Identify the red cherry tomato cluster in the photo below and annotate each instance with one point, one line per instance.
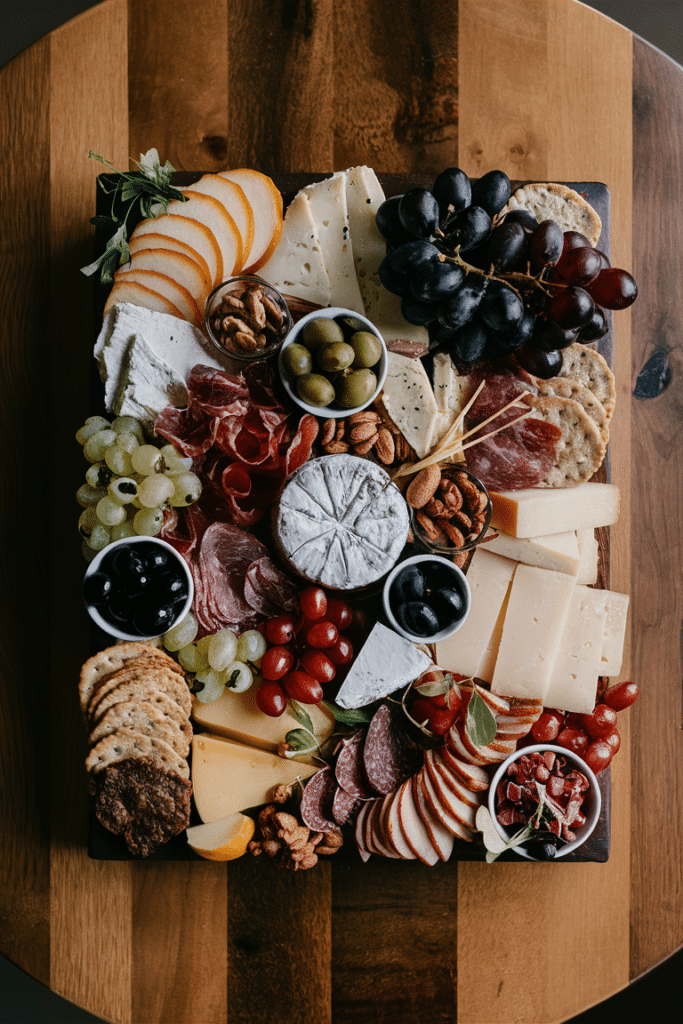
(305, 653)
(438, 712)
(593, 737)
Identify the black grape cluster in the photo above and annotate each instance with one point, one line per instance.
(520, 287)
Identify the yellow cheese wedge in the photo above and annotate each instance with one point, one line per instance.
(225, 839)
(238, 716)
(535, 511)
(228, 777)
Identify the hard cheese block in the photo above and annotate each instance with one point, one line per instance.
(615, 632)
(489, 577)
(588, 554)
(574, 681)
(238, 716)
(529, 513)
(558, 551)
(537, 610)
(386, 662)
(327, 200)
(409, 400)
(297, 266)
(228, 777)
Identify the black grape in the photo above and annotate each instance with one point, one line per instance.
(547, 336)
(507, 242)
(540, 364)
(419, 313)
(418, 212)
(452, 188)
(434, 280)
(545, 245)
(501, 308)
(457, 310)
(491, 192)
(614, 288)
(408, 257)
(392, 279)
(523, 217)
(388, 223)
(570, 307)
(579, 266)
(597, 326)
(502, 343)
(469, 343)
(469, 227)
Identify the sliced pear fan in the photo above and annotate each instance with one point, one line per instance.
(169, 289)
(128, 290)
(191, 232)
(232, 197)
(180, 268)
(266, 203)
(156, 241)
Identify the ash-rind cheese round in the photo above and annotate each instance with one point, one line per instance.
(340, 522)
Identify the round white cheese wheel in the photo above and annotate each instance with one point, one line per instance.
(340, 522)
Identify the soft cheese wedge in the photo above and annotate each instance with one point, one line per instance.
(189, 232)
(409, 400)
(163, 285)
(297, 267)
(266, 204)
(180, 268)
(225, 839)
(153, 240)
(232, 197)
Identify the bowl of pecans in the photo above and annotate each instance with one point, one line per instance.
(450, 509)
(247, 319)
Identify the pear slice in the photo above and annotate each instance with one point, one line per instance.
(232, 197)
(213, 215)
(266, 203)
(200, 238)
(181, 269)
(156, 241)
(128, 290)
(413, 828)
(166, 286)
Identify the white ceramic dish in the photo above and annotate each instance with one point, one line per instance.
(331, 411)
(460, 582)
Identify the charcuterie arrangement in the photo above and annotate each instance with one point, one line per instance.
(339, 518)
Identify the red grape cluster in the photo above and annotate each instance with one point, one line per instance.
(593, 737)
(305, 651)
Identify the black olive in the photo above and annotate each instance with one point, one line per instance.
(409, 585)
(153, 620)
(417, 618)
(448, 604)
(97, 589)
(127, 562)
(543, 851)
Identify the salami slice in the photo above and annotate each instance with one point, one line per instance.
(317, 801)
(349, 769)
(344, 806)
(390, 757)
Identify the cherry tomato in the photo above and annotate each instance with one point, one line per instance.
(598, 755)
(280, 630)
(313, 601)
(277, 662)
(573, 739)
(559, 715)
(439, 720)
(573, 720)
(601, 722)
(302, 687)
(339, 613)
(340, 653)
(613, 738)
(546, 728)
(621, 696)
(318, 665)
(322, 635)
(271, 698)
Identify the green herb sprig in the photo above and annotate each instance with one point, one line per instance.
(148, 189)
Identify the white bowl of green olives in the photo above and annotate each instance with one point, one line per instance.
(333, 362)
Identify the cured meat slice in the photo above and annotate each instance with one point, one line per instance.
(344, 806)
(389, 756)
(349, 769)
(317, 801)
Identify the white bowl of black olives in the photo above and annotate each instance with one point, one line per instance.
(333, 362)
(137, 588)
(426, 598)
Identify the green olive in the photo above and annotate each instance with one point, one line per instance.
(321, 331)
(356, 389)
(351, 324)
(297, 360)
(367, 349)
(332, 358)
(314, 389)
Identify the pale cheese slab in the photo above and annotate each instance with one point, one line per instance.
(573, 684)
(615, 632)
(557, 551)
(530, 512)
(327, 202)
(409, 400)
(537, 610)
(588, 554)
(297, 266)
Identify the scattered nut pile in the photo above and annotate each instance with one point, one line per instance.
(449, 506)
(366, 433)
(247, 322)
(291, 844)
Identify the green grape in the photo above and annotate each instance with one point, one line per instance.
(251, 646)
(147, 460)
(118, 461)
(86, 521)
(192, 659)
(99, 537)
(122, 490)
(128, 425)
(109, 512)
(188, 488)
(213, 688)
(238, 677)
(221, 651)
(98, 475)
(127, 443)
(87, 495)
(175, 462)
(123, 530)
(154, 490)
(92, 425)
(136, 503)
(148, 522)
(182, 634)
(95, 447)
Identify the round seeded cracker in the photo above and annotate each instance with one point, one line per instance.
(566, 387)
(110, 660)
(552, 201)
(161, 719)
(138, 683)
(122, 746)
(580, 450)
(585, 365)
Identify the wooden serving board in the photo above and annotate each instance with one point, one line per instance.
(102, 844)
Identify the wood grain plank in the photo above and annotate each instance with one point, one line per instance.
(24, 389)
(278, 943)
(90, 903)
(657, 867)
(555, 105)
(178, 82)
(396, 84)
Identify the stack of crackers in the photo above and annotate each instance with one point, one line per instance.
(136, 705)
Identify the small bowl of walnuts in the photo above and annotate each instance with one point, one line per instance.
(247, 319)
(450, 509)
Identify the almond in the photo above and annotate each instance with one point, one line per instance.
(341, 427)
(327, 433)
(362, 432)
(385, 449)
(424, 486)
(364, 447)
(431, 529)
(336, 448)
(365, 416)
(452, 532)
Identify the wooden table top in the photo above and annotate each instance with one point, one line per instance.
(544, 89)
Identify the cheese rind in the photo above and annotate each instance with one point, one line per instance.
(573, 684)
(558, 551)
(228, 777)
(489, 577)
(532, 512)
(409, 400)
(537, 611)
(386, 662)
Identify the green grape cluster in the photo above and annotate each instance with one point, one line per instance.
(216, 661)
(129, 482)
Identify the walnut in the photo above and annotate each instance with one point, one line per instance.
(287, 841)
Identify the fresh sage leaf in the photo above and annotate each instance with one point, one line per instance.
(299, 740)
(352, 716)
(302, 716)
(480, 724)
